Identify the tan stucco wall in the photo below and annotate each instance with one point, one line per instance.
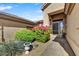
(54, 7)
(10, 28)
(51, 8)
(46, 19)
(9, 33)
(12, 23)
(72, 29)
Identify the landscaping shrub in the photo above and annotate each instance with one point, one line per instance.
(6, 50)
(3, 51)
(11, 48)
(42, 36)
(42, 33)
(25, 35)
(39, 33)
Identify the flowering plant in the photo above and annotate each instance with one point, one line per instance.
(41, 27)
(42, 33)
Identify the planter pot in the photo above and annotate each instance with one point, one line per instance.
(27, 46)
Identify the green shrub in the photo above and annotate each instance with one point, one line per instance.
(7, 50)
(11, 48)
(42, 38)
(30, 35)
(3, 51)
(42, 35)
(25, 35)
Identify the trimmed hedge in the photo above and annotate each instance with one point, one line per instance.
(25, 35)
(31, 35)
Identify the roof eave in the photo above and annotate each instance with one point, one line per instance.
(45, 5)
(15, 18)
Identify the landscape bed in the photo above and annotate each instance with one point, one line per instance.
(16, 47)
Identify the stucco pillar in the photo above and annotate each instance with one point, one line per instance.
(64, 20)
(46, 19)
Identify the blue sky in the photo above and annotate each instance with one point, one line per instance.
(31, 11)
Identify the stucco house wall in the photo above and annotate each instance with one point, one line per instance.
(45, 19)
(12, 23)
(54, 7)
(72, 24)
(9, 33)
(73, 29)
(10, 29)
(51, 8)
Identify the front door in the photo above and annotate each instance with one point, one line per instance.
(57, 27)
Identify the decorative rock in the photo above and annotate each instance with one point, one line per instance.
(26, 52)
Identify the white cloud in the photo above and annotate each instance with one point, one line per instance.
(2, 8)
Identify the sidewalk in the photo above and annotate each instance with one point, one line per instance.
(54, 49)
(50, 48)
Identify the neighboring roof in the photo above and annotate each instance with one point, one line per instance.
(11, 17)
(39, 22)
(45, 5)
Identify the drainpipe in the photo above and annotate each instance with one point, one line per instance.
(3, 40)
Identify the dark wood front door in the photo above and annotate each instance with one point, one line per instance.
(55, 28)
